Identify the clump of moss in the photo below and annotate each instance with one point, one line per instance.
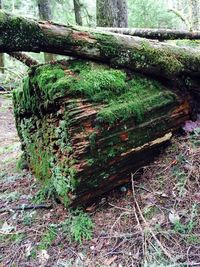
(143, 95)
(45, 77)
(124, 97)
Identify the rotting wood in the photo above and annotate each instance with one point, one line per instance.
(85, 127)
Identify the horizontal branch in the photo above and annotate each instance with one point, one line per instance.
(160, 34)
(22, 57)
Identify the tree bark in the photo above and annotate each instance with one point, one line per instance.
(77, 12)
(1, 55)
(194, 10)
(44, 10)
(150, 57)
(46, 15)
(112, 13)
(156, 34)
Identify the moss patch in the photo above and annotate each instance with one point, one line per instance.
(122, 96)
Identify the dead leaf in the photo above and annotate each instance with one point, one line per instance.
(43, 257)
(173, 217)
(91, 208)
(109, 261)
(6, 228)
(28, 250)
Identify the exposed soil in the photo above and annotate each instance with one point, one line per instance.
(154, 221)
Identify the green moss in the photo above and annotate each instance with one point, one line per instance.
(19, 27)
(53, 168)
(45, 77)
(39, 161)
(109, 46)
(143, 95)
(22, 163)
(160, 57)
(78, 66)
(100, 85)
(124, 98)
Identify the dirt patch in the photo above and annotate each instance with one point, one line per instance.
(153, 221)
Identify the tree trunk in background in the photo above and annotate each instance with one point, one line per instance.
(112, 13)
(194, 13)
(45, 14)
(77, 12)
(1, 55)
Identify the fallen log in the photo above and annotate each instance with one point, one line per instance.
(25, 59)
(150, 57)
(85, 127)
(156, 34)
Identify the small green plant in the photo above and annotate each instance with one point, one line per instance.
(28, 218)
(47, 238)
(33, 254)
(79, 225)
(46, 192)
(16, 238)
(193, 240)
(189, 226)
(181, 180)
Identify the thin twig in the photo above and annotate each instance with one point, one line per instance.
(28, 207)
(146, 224)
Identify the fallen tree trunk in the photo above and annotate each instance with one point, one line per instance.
(85, 127)
(151, 57)
(25, 59)
(157, 34)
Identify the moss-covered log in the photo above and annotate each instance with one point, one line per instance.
(152, 57)
(85, 127)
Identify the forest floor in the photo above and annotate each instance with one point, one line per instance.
(154, 221)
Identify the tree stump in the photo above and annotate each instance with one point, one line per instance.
(85, 127)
